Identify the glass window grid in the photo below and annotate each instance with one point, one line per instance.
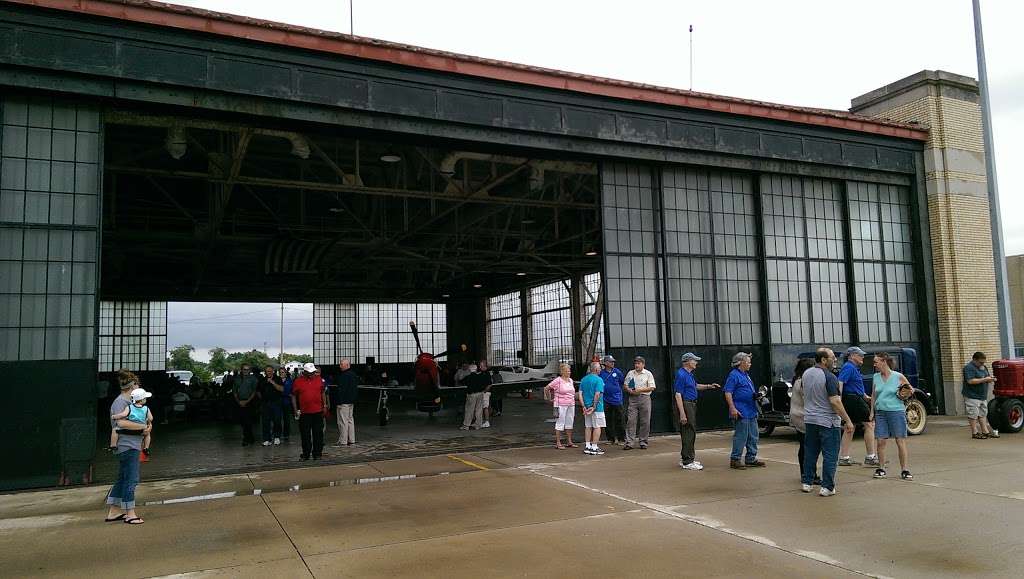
(902, 301)
(504, 322)
(739, 303)
(630, 223)
(380, 331)
(789, 318)
(869, 285)
(783, 217)
(803, 220)
(697, 231)
(826, 233)
(132, 335)
(830, 306)
(734, 230)
(632, 300)
(883, 275)
(549, 322)
(687, 211)
(550, 336)
(49, 184)
(691, 296)
(628, 205)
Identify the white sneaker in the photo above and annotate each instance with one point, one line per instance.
(806, 488)
(277, 441)
(597, 450)
(693, 466)
(266, 443)
(824, 492)
(486, 424)
(587, 450)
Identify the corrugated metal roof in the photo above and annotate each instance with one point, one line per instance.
(206, 21)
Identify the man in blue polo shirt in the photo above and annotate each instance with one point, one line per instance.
(685, 388)
(615, 414)
(740, 395)
(858, 406)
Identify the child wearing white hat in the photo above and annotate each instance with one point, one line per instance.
(136, 412)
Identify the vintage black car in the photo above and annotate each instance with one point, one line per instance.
(775, 401)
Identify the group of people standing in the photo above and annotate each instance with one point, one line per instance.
(279, 397)
(825, 409)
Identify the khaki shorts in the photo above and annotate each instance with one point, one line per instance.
(976, 408)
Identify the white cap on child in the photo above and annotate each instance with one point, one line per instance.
(138, 395)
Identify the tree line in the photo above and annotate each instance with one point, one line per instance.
(180, 358)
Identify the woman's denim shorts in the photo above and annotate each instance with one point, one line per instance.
(890, 424)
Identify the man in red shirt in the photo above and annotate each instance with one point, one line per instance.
(310, 402)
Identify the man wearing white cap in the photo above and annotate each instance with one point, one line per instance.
(686, 388)
(310, 402)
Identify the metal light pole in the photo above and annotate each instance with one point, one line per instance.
(998, 254)
(351, 20)
(280, 357)
(691, 57)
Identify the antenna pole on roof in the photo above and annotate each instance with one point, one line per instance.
(351, 21)
(691, 57)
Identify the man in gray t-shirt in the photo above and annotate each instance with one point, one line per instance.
(823, 415)
(975, 392)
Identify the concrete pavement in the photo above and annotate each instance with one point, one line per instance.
(540, 512)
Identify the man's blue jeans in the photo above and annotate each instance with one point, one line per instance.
(122, 494)
(273, 413)
(744, 435)
(825, 441)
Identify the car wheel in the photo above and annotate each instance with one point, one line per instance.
(917, 417)
(995, 416)
(1012, 415)
(765, 428)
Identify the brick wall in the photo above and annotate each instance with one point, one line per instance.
(965, 292)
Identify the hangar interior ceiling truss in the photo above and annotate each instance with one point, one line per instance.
(203, 209)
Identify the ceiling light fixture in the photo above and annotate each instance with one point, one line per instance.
(446, 295)
(390, 156)
(478, 285)
(528, 221)
(521, 273)
(591, 253)
(336, 210)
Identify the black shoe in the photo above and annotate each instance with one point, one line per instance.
(816, 481)
(303, 457)
(246, 443)
(145, 451)
(316, 458)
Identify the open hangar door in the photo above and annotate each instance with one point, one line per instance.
(388, 229)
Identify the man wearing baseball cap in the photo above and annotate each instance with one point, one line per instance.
(614, 379)
(858, 405)
(310, 402)
(686, 387)
(639, 385)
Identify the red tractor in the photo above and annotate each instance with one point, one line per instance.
(1006, 410)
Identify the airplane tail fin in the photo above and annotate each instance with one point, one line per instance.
(552, 367)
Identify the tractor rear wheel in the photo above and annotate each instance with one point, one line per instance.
(1012, 415)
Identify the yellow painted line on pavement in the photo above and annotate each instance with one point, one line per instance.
(468, 463)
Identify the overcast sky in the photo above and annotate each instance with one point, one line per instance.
(799, 52)
(240, 327)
